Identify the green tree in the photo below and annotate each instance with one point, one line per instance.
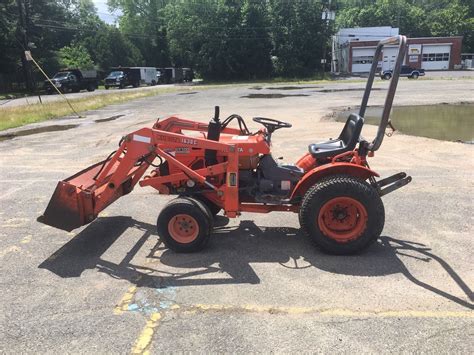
(9, 48)
(299, 36)
(75, 56)
(42, 26)
(256, 45)
(409, 17)
(110, 48)
(454, 19)
(142, 21)
(106, 45)
(196, 37)
(222, 39)
(415, 18)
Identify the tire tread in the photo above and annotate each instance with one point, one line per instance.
(345, 185)
(187, 203)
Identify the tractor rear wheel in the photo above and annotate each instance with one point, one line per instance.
(342, 215)
(185, 225)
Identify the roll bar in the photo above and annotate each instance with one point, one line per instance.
(402, 43)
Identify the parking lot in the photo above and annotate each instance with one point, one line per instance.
(260, 285)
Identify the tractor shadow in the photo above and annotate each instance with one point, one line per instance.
(228, 257)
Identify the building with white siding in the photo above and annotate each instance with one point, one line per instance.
(353, 51)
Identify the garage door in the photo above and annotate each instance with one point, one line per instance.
(362, 59)
(389, 57)
(435, 57)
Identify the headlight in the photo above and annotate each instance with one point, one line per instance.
(58, 85)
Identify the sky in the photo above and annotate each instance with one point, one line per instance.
(104, 12)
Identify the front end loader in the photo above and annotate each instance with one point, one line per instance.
(227, 167)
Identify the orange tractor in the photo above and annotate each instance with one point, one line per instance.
(331, 187)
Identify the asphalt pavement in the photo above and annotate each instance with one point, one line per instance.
(260, 285)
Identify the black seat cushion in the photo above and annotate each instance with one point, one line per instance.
(319, 148)
(347, 139)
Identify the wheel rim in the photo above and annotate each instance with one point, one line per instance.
(183, 228)
(342, 219)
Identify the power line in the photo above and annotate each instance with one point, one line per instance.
(77, 29)
(244, 33)
(149, 21)
(138, 35)
(239, 33)
(241, 28)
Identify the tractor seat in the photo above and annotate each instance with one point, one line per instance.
(347, 139)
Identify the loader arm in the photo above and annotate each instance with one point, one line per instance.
(178, 125)
(79, 199)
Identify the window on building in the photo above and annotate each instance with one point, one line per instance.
(435, 57)
(362, 60)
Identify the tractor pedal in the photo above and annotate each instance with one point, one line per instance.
(395, 186)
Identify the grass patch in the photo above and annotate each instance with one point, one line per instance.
(12, 95)
(16, 116)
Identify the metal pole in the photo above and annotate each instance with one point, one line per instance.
(327, 14)
(24, 44)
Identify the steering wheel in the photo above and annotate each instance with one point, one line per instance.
(270, 124)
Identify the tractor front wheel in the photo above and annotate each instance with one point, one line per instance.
(184, 225)
(342, 215)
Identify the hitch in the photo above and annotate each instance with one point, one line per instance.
(393, 183)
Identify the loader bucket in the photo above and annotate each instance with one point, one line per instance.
(66, 207)
(73, 203)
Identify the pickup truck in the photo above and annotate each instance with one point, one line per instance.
(73, 80)
(122, 77)
(406, 71)
(125, 76)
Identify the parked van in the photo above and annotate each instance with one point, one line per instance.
(173, 75)
(147, 75)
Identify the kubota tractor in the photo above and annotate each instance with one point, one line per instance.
(331, 187)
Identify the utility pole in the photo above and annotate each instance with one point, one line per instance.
(327, 15)
(22, 29)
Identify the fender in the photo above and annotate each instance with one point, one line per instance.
(314, 175)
